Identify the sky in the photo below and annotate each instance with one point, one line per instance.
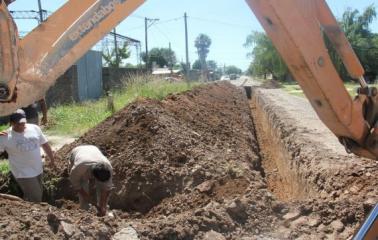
(226, 22)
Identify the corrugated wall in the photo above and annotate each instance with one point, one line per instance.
(89, 76)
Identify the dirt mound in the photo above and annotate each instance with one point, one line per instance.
(191, 157)
(188, 167)
(23, 220)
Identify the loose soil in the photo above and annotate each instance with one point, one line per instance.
(192, 167)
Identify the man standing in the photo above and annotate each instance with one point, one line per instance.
(89, 169)
(22, 141)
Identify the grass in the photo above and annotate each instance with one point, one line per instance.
(76, 119)
(295, 89)
(4, 167)
(4, 127)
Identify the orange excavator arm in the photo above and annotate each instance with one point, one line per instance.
(28, 67)
(296, 27)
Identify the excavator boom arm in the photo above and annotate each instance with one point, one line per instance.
(296, 28)
(51, 48)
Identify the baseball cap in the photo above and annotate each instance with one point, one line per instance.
(7, 2)
(18, 116)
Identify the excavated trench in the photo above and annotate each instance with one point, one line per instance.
(210, 160)
(285, 180)
(145, 191)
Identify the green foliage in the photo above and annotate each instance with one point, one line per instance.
(363, 41)
(4, 167)
(114, 58)
(202, 43)
(75, 119)
(3, 127)
(183, 67)
(233, 70)
(130, 65)
(266, 60)
(196, 65)
(161, 56)
(212, 65)
(214, 72)
(295, 89)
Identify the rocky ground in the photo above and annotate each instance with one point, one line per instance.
(192, 167)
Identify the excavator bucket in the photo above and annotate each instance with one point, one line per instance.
(8, 54)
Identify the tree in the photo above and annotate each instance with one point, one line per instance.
(113, 58)
(161, 56)
(362, 40)
(212, 65)
(233, 70)
(202, 43)
(130, 65)
(183, 67)
(266, 59)
(197, 65)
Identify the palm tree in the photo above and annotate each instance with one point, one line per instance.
(202, 43)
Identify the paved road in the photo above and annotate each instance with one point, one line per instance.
(245, 81)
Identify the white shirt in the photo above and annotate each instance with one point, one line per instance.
(24, 151)
(83, 158)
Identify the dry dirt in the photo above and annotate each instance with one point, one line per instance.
(192, 167)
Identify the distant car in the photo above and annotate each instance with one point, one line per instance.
(233, 76)
(225, 78)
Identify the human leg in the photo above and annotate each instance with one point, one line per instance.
(84, 202)
(32, 188)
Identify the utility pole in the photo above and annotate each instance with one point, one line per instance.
(170, 57)
(186, 46)
(146, 40)
(40, 11)
(146, 37)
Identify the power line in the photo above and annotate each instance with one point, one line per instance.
(170, 20)
(136, 16)
(219, 22)
(135, 28)
(159, 30)
(156, 23)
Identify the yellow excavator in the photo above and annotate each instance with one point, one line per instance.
(29, 66)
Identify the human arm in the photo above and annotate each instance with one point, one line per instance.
(104, 197)
(46, 147)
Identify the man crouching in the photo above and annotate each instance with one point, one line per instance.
(89, 169)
